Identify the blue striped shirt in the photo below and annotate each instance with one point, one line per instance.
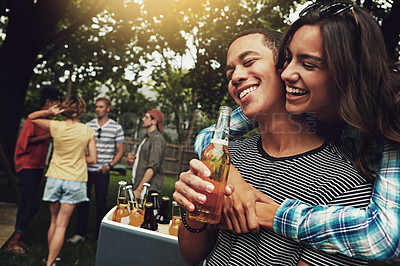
(107, 138)
(369, 233)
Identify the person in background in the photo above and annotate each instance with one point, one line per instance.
(74, 147)
(30, 158)
(148, 162)
(109, 138)
(320, 51)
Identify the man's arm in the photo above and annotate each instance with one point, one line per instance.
(119, 154)
(148, 175)
(195, 247)
(369, 233)
(120, 146)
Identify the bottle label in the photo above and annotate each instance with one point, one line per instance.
(125, 220)
(220, 141)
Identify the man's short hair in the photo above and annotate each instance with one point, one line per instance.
(271, 37)
(51, 94)
(104, 99)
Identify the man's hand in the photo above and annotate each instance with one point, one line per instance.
(239, 209)
(104, 169)
(190, 188)
(130, 159)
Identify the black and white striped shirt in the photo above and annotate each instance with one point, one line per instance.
(318, 177)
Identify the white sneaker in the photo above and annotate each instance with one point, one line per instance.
(75, 239)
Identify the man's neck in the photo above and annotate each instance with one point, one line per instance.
(102, 120)
(151, 129)
(289, 135)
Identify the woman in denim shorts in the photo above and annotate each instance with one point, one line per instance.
(74, 147)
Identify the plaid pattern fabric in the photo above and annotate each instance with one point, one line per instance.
(240, 125)
(370, 233)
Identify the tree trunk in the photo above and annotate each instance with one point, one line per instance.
(29, 26)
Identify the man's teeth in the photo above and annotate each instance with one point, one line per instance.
(297, 91)
(246, 91)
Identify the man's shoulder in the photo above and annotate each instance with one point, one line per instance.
(112, 123)
(156, 136)
(91, 123)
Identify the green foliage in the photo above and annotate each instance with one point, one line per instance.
(177, 47)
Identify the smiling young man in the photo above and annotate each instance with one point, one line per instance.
(288, 159)
(109, 137)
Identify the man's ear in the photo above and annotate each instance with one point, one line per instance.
(108, 109)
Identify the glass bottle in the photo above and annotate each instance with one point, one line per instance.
(176, 219)
(121, 213)
(163, 216)
(132, 203)
(149, 222)
(143, 196)
(217, 158)
(156, 204)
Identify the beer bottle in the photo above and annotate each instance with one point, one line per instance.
(156, 204)
(217, 158)
(136, 215)
(143, 195)
(176, 219)
(163, 216)
(149, 222)
(132, 203)
(121, 213)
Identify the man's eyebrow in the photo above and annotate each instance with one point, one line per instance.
(241, 57)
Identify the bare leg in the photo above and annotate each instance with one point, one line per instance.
(54, 209)
(57, 235)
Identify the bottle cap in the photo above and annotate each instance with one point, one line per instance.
(149, 204)
(165, 198)
(122, 183)
(154, 194)
(146, 185)
(128, 187)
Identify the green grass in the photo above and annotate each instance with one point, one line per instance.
(83, 253)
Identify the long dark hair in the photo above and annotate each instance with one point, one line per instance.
(356, 57)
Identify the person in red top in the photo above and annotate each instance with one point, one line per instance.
(30, 158)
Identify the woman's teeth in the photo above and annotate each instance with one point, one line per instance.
(295, 91)
(246, 91)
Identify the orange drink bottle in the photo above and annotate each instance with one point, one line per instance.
(217, 158)
(121, 213)
(176, 219)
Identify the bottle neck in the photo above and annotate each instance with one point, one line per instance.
(148, 214)
(221, 130)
